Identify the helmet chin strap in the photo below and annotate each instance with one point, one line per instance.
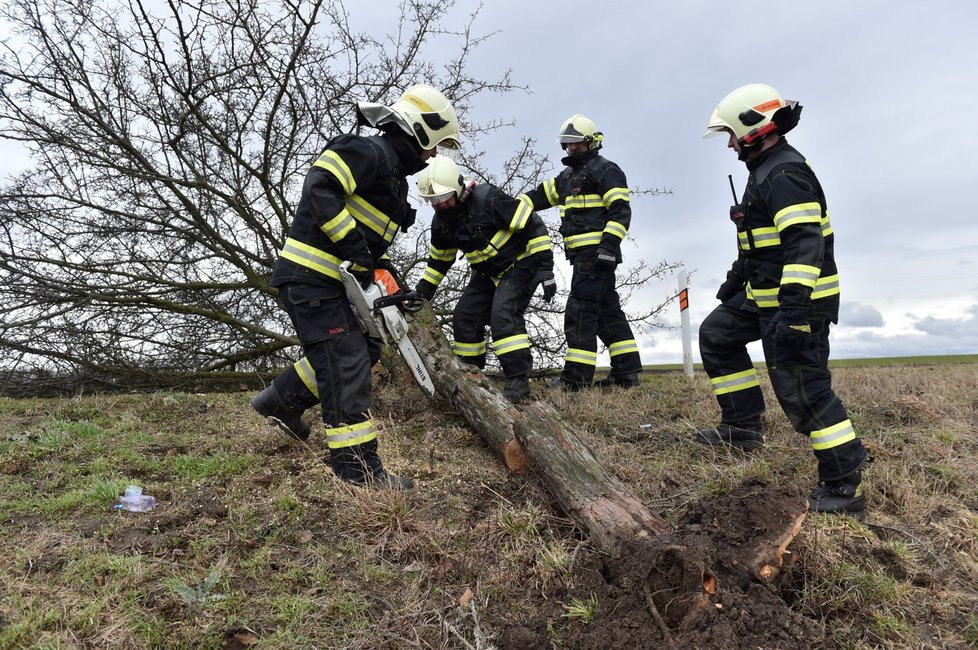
(754, 140)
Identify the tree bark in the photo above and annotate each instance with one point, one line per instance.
(536, 438)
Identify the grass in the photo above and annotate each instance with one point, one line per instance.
(253, 543)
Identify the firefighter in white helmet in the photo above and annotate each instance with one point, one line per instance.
(509, 251)
(595, 214)
(784, 290)
(353, 204)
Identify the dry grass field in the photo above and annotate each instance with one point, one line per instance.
(254, 545)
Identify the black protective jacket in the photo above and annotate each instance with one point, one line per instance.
(786, 241)
(492, 229)
(353, 203)
(592, 193)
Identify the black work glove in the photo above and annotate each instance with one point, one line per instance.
(363, 271)
(606, 260)
(425, 290)
(789, 324)
(545, 278)
(736, 277)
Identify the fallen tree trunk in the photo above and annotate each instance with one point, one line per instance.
(536, 438)
(674, 573)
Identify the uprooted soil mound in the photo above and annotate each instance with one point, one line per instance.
(696, 589)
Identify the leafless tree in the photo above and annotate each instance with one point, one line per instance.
(169, 141)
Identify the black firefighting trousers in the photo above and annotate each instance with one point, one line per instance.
(798, 370)
(594, 312)
(499, 303)
(335, 371)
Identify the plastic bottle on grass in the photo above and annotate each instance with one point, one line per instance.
(135, 501)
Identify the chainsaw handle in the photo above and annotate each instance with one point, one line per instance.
(406, 301)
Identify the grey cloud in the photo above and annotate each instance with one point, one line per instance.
(951, 328)
(854, 314)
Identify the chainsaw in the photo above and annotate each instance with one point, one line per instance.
(381, 316)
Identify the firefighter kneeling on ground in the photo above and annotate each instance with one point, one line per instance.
(509, 250)
(353, 204)
(784, 290)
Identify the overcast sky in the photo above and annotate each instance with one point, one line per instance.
(889, 93)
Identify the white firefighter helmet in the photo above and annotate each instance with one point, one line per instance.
(580, 128)
(752, 112)
(440, 180)
(423, 112)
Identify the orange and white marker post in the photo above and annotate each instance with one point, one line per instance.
(684, 321)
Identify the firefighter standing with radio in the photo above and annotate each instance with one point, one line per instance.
(509, 250)
(594, 218)
(353, 203)
(784, 290)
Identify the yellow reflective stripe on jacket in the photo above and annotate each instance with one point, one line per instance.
(762, 237)
(584, 357)
(522, 215)
(583, 201)
(616, 229)
(824, 287)
(826, 225)
(350, 435)
(337, 227)
(307, 375)
(615, 194)
(798, 213)
(622, 347)
(497, 242)
(802, 274)
(371, 217)
(827, 286)
(433, 276)
(584, 239)
(511, 344)
(443, 254)
(311, 258)
(550, 189)
(463, 349)
(763, 297)
(734, 382)
(534, 246)
(331, 162)
(833, 436)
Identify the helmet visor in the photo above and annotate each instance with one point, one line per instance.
(566, 138)
(435, 199)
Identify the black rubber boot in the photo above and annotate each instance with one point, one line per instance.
(361, 466)
(269, 404)
(517, 389)
(747, 435)
(844, 496)
(562, 384)
(623, 381)
(839, 486)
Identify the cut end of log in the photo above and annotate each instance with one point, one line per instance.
(516, 460)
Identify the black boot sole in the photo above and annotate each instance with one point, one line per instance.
(716, 441)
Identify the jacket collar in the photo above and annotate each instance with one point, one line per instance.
(579, 158)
